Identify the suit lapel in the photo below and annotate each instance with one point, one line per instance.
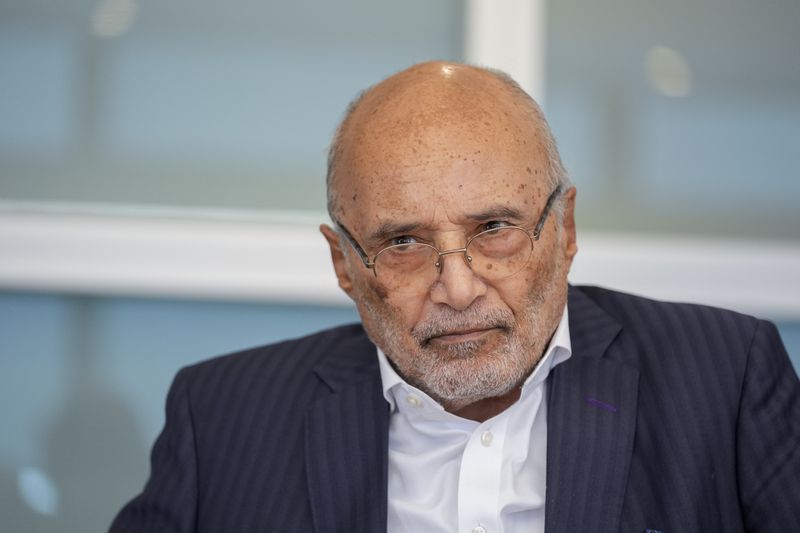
(591, 420)
(346, 446)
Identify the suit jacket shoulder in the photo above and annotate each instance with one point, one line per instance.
(233, 453)
(283, 367)
(688, 416)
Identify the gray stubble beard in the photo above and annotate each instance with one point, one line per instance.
(452, 374)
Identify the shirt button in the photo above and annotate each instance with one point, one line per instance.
(413, 401)
(486, 440)
(478, 529)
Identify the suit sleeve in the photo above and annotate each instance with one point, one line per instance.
(168, 503)
(768, 445)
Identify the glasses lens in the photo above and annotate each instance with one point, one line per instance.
(404, 267)
(500, 253)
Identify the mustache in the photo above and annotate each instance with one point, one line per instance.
(448, 321)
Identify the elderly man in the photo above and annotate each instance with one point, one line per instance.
(480, 393)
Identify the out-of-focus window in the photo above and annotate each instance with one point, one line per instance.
(82, 392)
(194, 102)
(679, 116)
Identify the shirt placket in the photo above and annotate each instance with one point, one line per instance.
(479, 478)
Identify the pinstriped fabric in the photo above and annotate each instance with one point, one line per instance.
(249, 439)
(717, 438)
(668, 417)
(769, 435)
(174, 457)
(590, 422)
(231, 457)
(346, 463)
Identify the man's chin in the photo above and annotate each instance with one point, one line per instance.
(460, 382)
(459, 350)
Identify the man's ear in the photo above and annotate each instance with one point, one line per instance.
(568, 224)
(338, 258)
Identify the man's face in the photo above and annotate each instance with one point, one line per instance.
(462, 338)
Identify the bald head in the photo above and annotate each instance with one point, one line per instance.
(427, 107)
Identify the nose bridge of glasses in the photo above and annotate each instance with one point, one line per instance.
(440, 262)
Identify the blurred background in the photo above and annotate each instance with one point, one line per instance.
(162, 177)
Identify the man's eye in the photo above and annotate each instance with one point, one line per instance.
(402, 239)
(494, 224)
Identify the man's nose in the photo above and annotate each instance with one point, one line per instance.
(457, 285)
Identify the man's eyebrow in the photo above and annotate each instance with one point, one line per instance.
(389, 229)
(498, 212)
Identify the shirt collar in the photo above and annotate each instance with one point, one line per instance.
(558, 351)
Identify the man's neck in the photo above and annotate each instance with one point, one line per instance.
(487, 408)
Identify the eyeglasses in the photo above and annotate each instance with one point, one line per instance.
(493, 254)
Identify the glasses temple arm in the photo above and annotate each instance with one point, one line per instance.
(357, 247)
(546, 211)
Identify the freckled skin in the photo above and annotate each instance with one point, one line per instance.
(430, 147)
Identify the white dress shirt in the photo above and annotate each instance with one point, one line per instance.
(450, 474)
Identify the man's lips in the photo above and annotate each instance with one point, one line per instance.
(470, 334)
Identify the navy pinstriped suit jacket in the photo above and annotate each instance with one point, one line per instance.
(675, 418)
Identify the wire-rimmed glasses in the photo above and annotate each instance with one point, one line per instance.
(493, 254)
